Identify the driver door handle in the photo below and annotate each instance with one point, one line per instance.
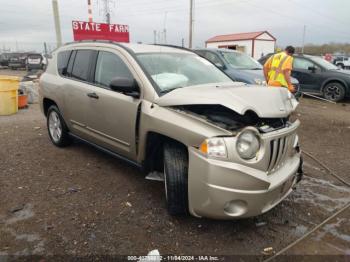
(92, 95)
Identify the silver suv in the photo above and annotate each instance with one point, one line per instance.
(224, 149)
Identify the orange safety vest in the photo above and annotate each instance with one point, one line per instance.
(276, 77)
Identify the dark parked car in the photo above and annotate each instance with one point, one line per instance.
(318, 76)
(4, 59)
(237, 65)
(17, 60)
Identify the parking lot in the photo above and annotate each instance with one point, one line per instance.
(79, 201)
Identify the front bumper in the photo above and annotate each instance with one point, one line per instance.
(228, 190)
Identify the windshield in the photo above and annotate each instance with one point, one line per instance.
(176, 70)
(241, 61)
(325, 64)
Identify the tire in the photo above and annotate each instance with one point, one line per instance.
(334, 92)
(176, 178)
(57, 128)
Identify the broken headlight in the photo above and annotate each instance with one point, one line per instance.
(214, 147)
(248, 144)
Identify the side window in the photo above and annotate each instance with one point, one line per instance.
(300, 63)
(82, 64)
(213, 58)
(110, 66)
(62, 62)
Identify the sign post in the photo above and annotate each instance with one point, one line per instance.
(100, 31)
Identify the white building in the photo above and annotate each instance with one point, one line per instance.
(255, 44)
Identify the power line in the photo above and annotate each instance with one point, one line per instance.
(148, 11)
(309, 8)
(287, 16)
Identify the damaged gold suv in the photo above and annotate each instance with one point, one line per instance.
(224, 149)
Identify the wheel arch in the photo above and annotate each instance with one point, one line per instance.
(47, 103)
(335, 80)
(154, 150)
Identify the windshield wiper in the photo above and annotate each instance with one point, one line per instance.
(169, 90)
(256, 68)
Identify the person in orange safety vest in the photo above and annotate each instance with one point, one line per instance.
(278, 68)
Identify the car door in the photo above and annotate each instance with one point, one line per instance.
(112, 116)
(307, 73)
(76, 86)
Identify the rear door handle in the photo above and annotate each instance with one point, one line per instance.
(92, 95)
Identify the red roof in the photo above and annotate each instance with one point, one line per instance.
(237, 37)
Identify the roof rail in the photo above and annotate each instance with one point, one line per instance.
(92, 41)
(102, 42)
(175, 46)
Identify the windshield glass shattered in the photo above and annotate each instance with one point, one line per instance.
(241, 61)
(177, 70)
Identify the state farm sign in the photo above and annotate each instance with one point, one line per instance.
(100, 31)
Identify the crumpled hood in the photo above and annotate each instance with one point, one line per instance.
(265, 102)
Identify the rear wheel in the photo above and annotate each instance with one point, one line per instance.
(176, 178)
(334, 92)
(58, 131)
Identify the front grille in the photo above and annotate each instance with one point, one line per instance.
(278, 151)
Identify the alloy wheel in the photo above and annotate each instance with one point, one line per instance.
(332, 92)
(55, 126)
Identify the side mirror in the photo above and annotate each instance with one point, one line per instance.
(125, 86)
(220, 66)
(312, 69)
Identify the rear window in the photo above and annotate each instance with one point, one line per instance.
(62, 62)
(34, 56)
(81, 64)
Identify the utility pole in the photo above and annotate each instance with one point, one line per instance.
(107, 12)
(191, 25)
(45, 48)
(159, 37)
(303, 46)
(154, 36)
(90, 11)
(164, 27)
(164, 35)
(57, 23)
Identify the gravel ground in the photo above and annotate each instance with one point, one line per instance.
(78, 201)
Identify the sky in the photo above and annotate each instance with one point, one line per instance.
(26, 24)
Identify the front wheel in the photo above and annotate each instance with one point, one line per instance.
(58, 131)
(334, 92)
(176, 178)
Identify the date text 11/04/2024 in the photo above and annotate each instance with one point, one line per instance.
(172, 258)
